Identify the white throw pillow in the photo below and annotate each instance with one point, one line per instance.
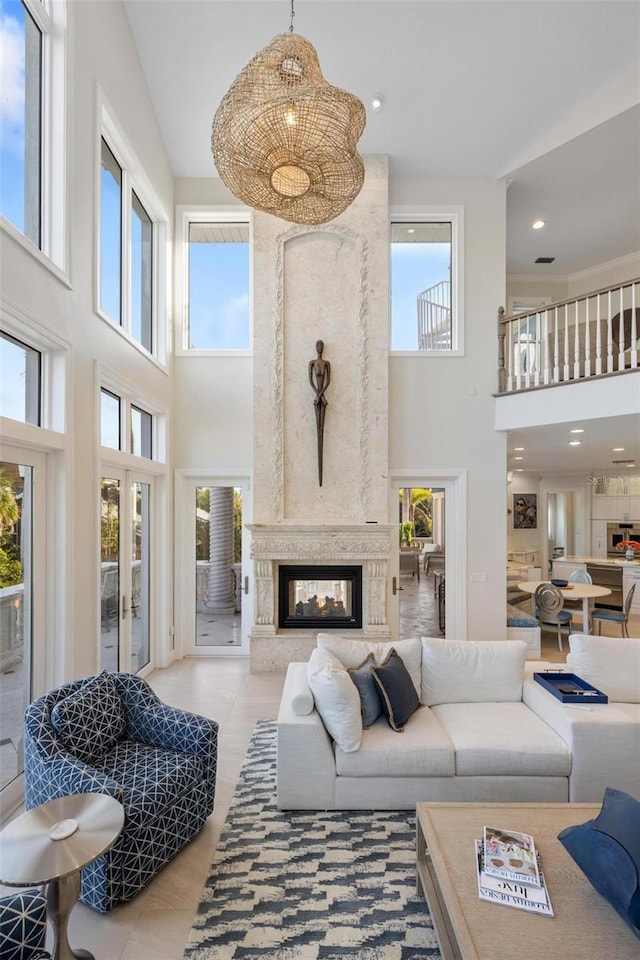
(471, 671)
(337, 699)
(352, 653)
(612, 664)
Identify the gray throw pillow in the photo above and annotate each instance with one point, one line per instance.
(397, 692)
(368, 690)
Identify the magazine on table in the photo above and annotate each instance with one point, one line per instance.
(510, 855)
(510, 893)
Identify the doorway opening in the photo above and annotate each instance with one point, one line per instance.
(422, 580)
(218, 574)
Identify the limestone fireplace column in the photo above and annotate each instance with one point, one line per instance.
(221, 575)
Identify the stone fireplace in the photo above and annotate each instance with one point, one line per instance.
(316, 546)
(326, 283)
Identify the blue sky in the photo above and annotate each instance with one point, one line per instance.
(12, 111)
(414, 268)
(219, 296)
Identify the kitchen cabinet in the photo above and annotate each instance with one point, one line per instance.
(599, 538)
(632, 575)
(562, 569)
(617, 502)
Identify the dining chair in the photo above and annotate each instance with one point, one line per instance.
(550, 612)
(575, 606)
(616, 616)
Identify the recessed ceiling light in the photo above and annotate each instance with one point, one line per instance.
(377, 101)
(618, 449)
(538, 224)
(518, 448)
(411, 229)
(577, 431)
(519, 470)
(518, 458)
(630, 464)
(575, 443)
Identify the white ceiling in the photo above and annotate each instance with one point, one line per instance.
(547, 450)
(544, 94)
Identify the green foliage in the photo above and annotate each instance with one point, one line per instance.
(10, 565)
(10, 569)
(406, 532)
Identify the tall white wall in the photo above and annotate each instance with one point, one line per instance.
(101, 52)
(441, 410)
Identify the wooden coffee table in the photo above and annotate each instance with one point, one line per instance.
(585, 926)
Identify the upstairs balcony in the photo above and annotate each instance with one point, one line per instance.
(434, 317)
(591, 336)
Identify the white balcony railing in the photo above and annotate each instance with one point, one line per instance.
(587, 336)
(434, 317)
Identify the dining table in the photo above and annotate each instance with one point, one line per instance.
(572, 591)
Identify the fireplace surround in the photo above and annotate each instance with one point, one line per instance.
(321, 547)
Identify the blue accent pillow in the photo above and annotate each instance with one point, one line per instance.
(90, 721)
(397, 692)
(368, 689)
(607, 850)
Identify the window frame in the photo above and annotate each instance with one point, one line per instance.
(134, 182)
(129, 398)
(52, 251)
(186, 215)
(453, 214)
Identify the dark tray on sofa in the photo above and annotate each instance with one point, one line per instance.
(570, 688)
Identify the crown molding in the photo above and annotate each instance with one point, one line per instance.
(618, 262)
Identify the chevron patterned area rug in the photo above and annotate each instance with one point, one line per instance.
(303, 885)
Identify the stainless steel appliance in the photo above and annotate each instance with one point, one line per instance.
(617, 532)
(607, 576)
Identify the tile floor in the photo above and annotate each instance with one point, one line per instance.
(156, 924)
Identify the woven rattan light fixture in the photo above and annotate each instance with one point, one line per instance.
(284, 140)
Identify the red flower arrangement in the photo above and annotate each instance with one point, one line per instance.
(628, 544)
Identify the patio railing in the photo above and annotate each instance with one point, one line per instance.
(586, 336)
(434, 317)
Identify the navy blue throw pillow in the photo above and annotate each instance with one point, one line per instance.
(371, 707)
(397, 692)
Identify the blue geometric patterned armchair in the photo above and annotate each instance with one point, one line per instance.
(23, 926)
(111, 734)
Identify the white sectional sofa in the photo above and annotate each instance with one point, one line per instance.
(485, 731)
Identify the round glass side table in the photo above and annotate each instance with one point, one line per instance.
(51, 844)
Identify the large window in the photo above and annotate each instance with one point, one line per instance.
(20, 367)
(137, 438)
(32, 122)
(127, 251)
(20, 129)
(425, 291)
(218, 297)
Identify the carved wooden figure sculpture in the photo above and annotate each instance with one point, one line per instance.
(319, 378)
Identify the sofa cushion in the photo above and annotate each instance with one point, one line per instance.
(468, 671)
(398, 695)
(502, 739)
(337, 699)
(153, 780)
(425, 751)
(371, 707)
(612, 664)
(519, 618)
(90, 721)
(351, 652)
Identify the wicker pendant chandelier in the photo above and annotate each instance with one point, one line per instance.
(284, 140)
